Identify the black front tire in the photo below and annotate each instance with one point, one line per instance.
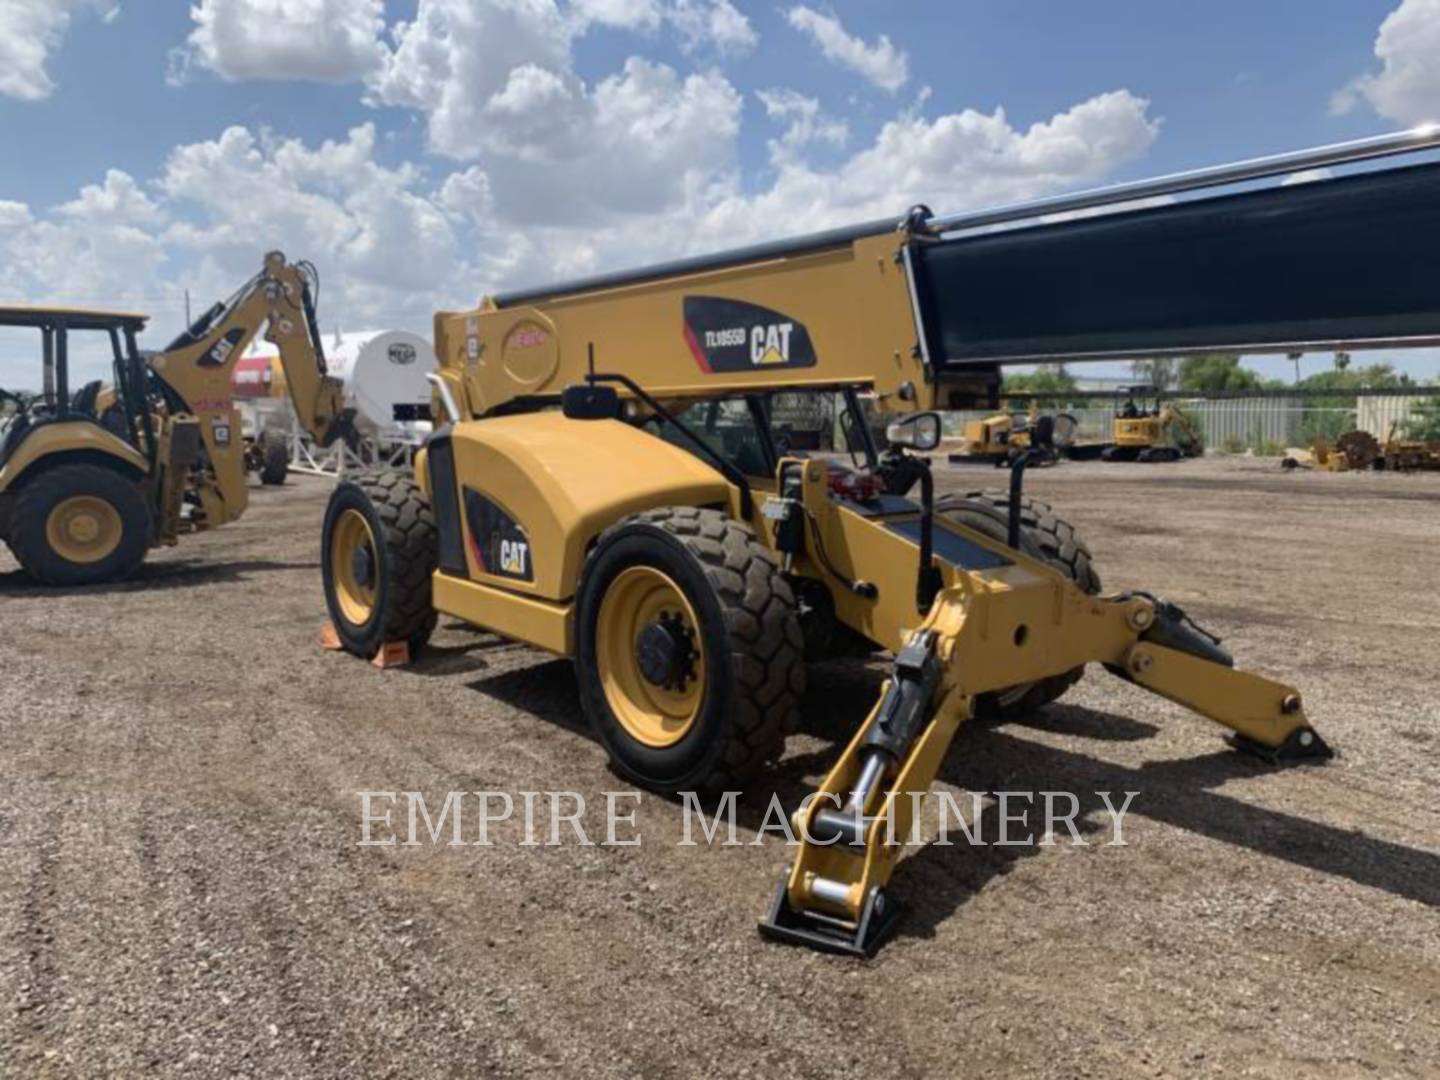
(29, 538)
(403, 528)
(1043, 535)
(754, 668)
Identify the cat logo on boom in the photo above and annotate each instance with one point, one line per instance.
(729, 336)
(770, 344)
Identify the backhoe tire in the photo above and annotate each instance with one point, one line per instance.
(1044, 535)
(274, 460)
(689, 650)
(377, 553)
(80, 525)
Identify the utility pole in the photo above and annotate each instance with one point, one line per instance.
(187, 307)
(1294, 358)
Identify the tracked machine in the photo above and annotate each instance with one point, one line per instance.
(92, 477)
(1146, 430)
(607, 484)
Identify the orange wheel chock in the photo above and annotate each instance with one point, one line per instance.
(392, 654)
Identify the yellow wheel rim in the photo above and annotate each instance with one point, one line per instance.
(354, 567)
(650, 656)
(84, 529)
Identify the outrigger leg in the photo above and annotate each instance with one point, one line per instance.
(853, 827)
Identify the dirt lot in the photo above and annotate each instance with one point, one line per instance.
(183, 891)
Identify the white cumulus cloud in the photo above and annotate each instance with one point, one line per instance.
(804, 122)
(331, 41)
(627, 14)
(496, 82)
(30, 30)
(1406, 89)
(881, 63)
(718, 24)
(13, 215)
(117, 201)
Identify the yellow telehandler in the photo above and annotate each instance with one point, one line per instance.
(90, 480)
(606, 484)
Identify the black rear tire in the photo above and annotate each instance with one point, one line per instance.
(754, 671)
(1043, 535)
(402, 527)
(30, 538)
(274, 460)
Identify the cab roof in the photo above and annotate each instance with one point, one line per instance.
(74, 318)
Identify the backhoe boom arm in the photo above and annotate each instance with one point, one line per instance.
(197, 367)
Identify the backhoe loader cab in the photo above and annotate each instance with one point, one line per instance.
(608, 484)
(91, 477)
(72, 457)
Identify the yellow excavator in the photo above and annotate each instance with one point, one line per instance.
(606, 483)
(1146, 430)
(92, 477)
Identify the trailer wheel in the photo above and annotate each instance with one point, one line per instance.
(80, 525)
(1044, 535)
(274, 460)
(689, 651)
(377, 554)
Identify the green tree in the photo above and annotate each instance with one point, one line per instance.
(1158, 371)
(1332, 416)
(1374, 376)
(1424, 422)
(1216, 371)
(1051, 380)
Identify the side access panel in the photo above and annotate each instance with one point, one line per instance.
(518, 500)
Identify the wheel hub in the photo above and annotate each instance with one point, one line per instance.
(84, 529)
(362, 565)
(664, 652)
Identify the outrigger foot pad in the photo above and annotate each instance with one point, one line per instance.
(1301, 745)
(824, 933)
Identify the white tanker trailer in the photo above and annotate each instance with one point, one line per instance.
(380, 369)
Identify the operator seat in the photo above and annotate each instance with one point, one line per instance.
(85, 398)
(15, 433)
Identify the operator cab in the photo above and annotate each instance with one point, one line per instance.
(21, 412)
(1137, 402)
(752, 432)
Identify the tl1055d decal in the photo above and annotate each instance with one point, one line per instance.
(732, 335)
(497, 542)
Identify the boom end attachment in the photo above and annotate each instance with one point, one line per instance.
(1303, 745)
(878, 919)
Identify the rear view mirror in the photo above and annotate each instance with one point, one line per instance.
(918, 431)
(590, 402)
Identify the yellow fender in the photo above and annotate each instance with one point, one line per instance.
(67, 437)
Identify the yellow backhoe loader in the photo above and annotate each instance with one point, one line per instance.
(1003, 437)
(90, 480)
(606, 485)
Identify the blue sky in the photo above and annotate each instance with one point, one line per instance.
(510, 141)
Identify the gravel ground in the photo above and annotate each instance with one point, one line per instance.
(183, 890)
